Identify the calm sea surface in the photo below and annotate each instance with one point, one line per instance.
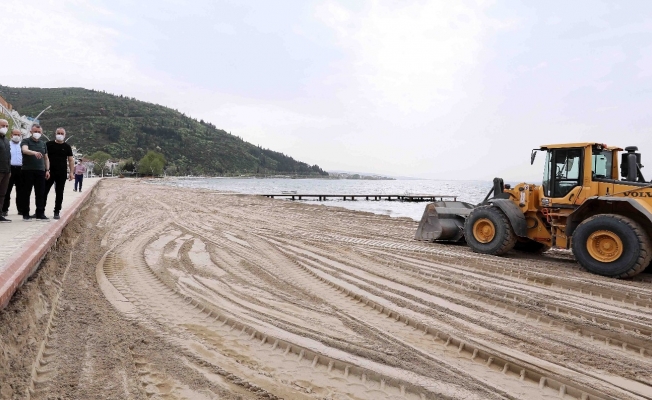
(469, 191)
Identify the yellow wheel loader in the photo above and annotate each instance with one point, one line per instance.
(582, 205)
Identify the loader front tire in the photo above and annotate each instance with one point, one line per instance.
(612, 245)
(487, 230)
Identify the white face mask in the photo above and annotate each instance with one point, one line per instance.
(59, 138)
(36, 135)
(3, 130)
(16, 139)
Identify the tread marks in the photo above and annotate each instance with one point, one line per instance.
(244, 332)
(440, 337)
(512, 298)
(366, 243)
(511, 268)
(474, 353)
(463, 347)
(43, 367)
(550, 314)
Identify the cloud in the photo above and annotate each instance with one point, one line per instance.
(428, 88)
(644, 63)
(553, 20)
(48, 46)
(407, 57)
(523, 68)
(258, 121)
(62, 44)
(224, 28)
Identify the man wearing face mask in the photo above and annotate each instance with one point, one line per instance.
(35, 171)
(15, 179)
(62, 166)
(80, 170)
(5, 163)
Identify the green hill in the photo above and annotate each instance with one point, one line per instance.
(127, 128)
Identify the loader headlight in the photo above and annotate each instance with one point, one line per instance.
(545, 202)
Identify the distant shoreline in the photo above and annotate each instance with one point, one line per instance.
(276, 177)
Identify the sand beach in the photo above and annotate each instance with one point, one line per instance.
(156, 292)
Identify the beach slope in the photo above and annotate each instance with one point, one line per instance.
(162, 292)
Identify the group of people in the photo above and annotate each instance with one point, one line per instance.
(33, 164)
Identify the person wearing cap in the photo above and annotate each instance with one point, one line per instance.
(35, 171)
(5, 163)
(62, 165)
(16, 165)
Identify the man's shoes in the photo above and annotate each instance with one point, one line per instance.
(27, 218)
(74, 190)
(56, 215)
(4, 213)
(3, 219)
(41, 217)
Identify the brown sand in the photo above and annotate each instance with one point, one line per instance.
(165, 293)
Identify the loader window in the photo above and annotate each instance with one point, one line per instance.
(562, 172)
(602, 163)
(547, 176)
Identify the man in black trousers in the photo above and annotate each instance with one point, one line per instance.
(16, 166)
(62, 167)
(5, 166)
(36, 169)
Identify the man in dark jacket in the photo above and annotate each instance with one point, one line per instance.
(35, 171)
(62, 166)
(5, 163)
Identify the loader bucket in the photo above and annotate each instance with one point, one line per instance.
(443, 220)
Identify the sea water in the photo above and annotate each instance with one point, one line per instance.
(470, 191)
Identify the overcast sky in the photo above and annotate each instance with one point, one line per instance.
(436, 89)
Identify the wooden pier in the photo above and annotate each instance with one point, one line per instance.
(371, 197)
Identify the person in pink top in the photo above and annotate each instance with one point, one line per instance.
(80, 170)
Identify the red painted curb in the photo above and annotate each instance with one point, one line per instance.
(23, 264)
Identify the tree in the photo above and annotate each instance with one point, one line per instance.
(126, 128)
(99, 160)
(113, 133)
(152, 163)
(127, 165)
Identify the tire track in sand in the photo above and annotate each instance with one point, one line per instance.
(505, 267)
(502, 300)
(44, 366)
(464, 355)
(253, 237)
(254, 256)
(338, 375)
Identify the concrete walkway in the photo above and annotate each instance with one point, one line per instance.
(23, 244)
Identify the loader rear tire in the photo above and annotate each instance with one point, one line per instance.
(612, 245)
(487, 230)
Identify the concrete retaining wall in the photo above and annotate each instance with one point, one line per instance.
(25, 262)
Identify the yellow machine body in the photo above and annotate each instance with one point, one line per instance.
(580, 183)
(547, 216)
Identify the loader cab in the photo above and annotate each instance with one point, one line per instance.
(569, 169)
(562, 172)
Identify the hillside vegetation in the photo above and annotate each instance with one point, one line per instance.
(128, 128)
